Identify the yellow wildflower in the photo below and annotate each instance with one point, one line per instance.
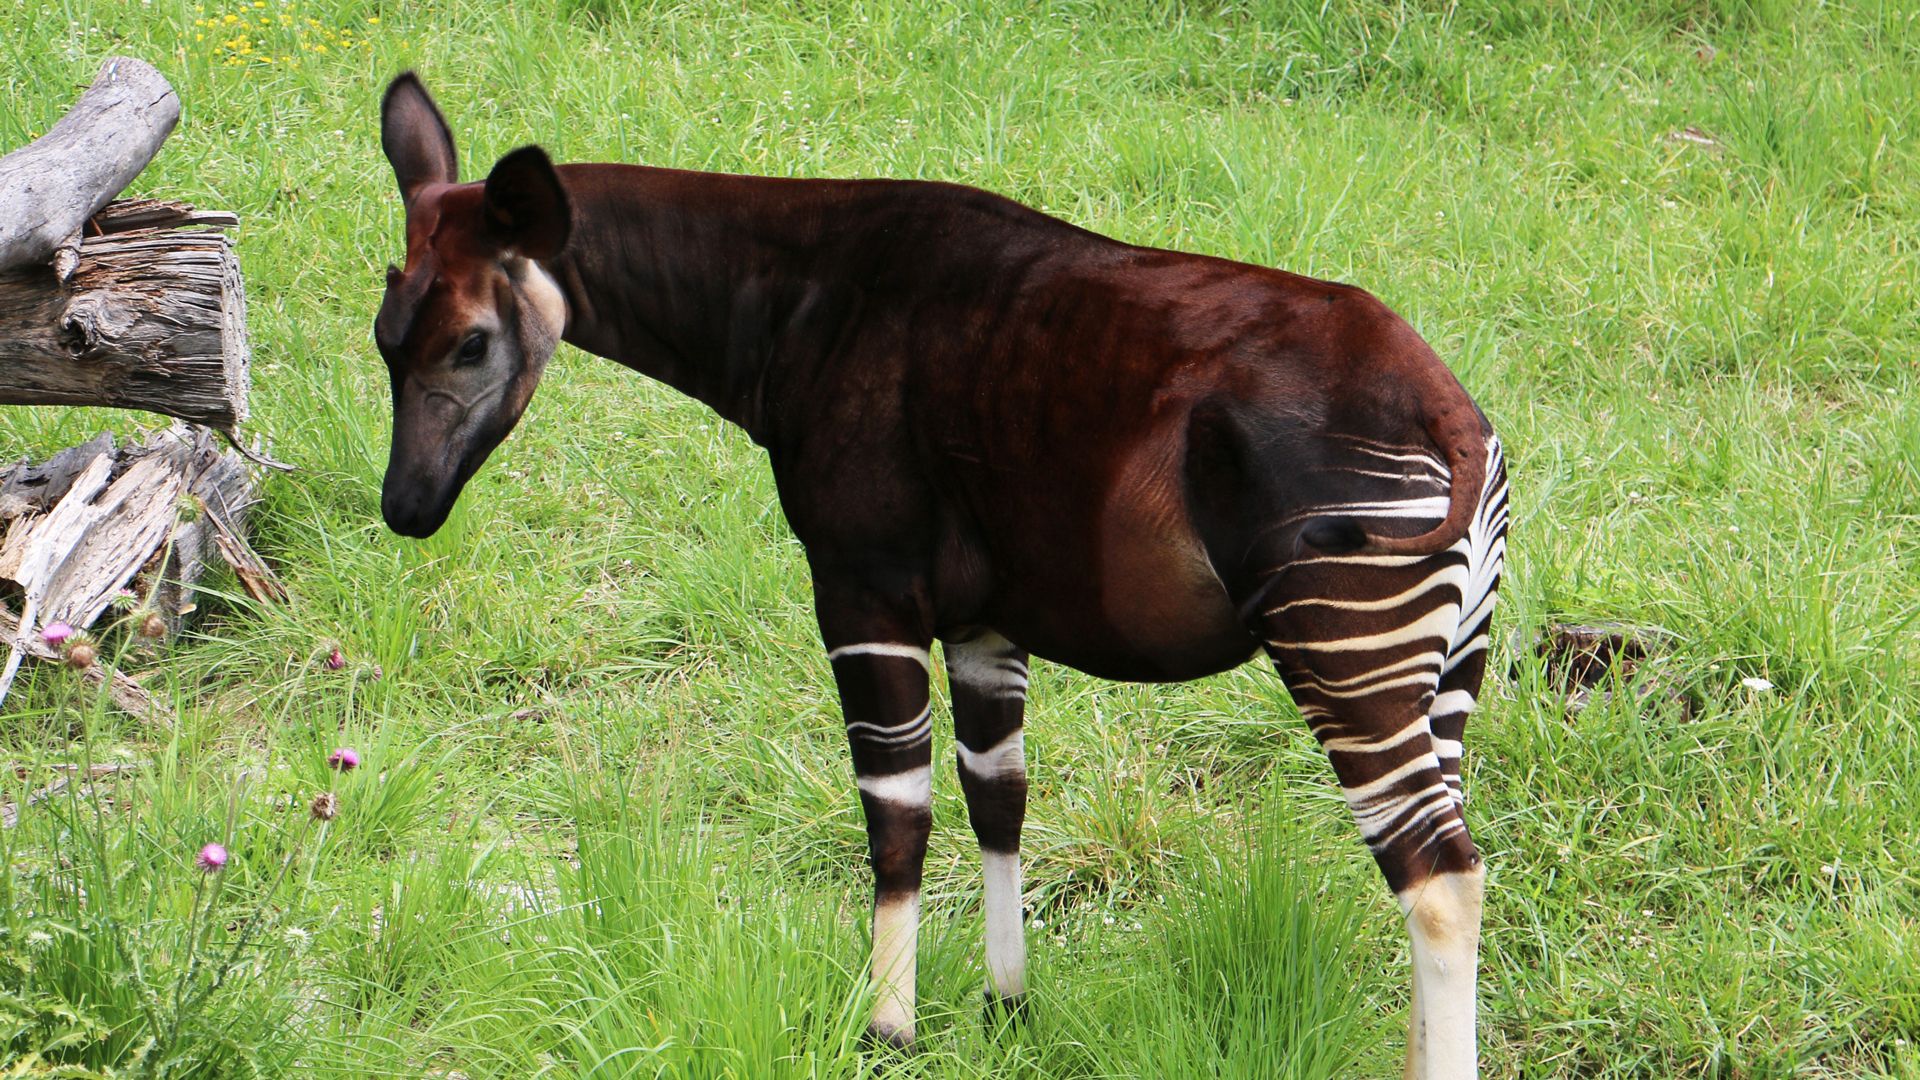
(230, 18)
(373, 20)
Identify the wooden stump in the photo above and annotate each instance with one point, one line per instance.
(95, 520)
(134, 306)
(153, 318)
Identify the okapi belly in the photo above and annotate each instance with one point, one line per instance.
(1145, 610)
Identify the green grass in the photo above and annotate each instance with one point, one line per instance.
(607, 826)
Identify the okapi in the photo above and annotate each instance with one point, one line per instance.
(996, 430)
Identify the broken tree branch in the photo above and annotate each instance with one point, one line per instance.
(51, 186)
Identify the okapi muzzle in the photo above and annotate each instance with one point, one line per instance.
(467, 327)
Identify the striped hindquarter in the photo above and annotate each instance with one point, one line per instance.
(1384, 654)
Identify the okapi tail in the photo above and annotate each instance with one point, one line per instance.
(1456, 433)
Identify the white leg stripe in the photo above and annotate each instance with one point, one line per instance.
(921, 726)
(1448, 748)
(1366, 744)
(1006, 758)
(911, 788)
(1371, 818)
(1453, 701)
(1438, 623)
(1478, 642)
(984, 665)
(1426, 506)
(1354, 560)
(993, 678)
(1429, 678)
(1401, 477)
(1426, 813)
(881, 648)
(1367, 793)
(1444, 576)
(1006, 941)
(1410, 663)
(1471, 621)
(1414, 456)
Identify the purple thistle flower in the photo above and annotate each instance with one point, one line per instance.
(336, 660)
(211, 858)
(346, 759)
(55, 632)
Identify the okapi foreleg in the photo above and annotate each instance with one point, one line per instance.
(881, 666)
(988, 675)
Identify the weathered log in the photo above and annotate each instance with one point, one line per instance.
(51, 186)
(152, 318)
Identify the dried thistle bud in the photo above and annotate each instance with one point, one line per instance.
(326, 806)
(81, 655)
(153, 625)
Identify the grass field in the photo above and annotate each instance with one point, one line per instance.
(606, 825)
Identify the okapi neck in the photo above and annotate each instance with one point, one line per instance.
(694, 279)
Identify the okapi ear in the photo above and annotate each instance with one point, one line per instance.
(526, 206)
(415, 136)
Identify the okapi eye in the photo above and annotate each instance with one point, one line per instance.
(472, 349)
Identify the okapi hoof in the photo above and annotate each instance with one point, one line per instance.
(1008, 1009)
(887, 1040)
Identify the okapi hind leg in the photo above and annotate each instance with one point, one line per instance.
(988, 677)
(1361, 641)
(880, 665)
(1466, 665)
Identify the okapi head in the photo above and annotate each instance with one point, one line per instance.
(468, 326)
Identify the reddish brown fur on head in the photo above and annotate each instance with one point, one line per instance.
(467, 326)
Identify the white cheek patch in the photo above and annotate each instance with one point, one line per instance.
(544, 300)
